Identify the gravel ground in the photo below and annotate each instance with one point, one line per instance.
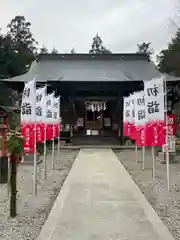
(166, 204)
(33, 210)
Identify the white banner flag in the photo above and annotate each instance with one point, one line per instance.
(154, 97)
(127, 110)
(132, 108)
(49, 102)
(56, 110)
(28, 105)
(140, 112)
(40, 104)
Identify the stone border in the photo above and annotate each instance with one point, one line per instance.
(151, 214)
(50, 224)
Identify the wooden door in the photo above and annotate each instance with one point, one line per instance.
(93, 120)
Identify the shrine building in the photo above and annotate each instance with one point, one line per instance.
(92, 88)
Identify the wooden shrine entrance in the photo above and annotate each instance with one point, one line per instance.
(93, 120)
(94, 116)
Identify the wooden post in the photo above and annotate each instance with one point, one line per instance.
(85, 118)
(102, 127)
(94, 118)
(3, 134)
(13, 162)
(4, 158)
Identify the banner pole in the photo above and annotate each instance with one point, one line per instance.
(136, 153)
(58, 153)
(153, 160)
(35, 150)
(45, 152)
(53, 148)
(35, 162)
(143, 157)
(45, 134)
(167, 146)
(59, 127)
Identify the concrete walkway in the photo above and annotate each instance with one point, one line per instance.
(100, 201)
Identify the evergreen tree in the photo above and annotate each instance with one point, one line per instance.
(97, 46)
(20, 32)
(23, 43)
(54, 51)
(8, 57)
(145, 49)
(72, 51)
(43, 50)
(169, 59)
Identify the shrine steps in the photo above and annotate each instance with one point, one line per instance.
(95, 140)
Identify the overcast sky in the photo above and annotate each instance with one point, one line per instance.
(73, 23)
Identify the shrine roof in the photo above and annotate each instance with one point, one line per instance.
(91, 68)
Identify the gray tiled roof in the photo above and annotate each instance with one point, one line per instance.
(92, 57)
(81, 69)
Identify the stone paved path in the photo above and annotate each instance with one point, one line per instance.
(100, 201)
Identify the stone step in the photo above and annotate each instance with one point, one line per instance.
(95, 140)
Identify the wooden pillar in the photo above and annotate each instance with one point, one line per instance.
(94, 119)
(85, 117)
(101, 119)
